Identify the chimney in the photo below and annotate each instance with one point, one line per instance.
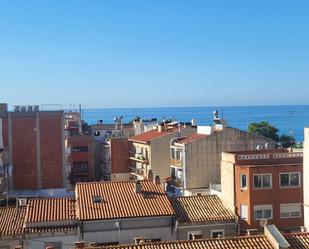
(80, 244)
(160, 128)
(137, 186)
(150, 175)
(156, 179)
(275, 238)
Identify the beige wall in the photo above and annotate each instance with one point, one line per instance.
(227, 181)
(228, 228)
(160, 152)
(306, 178)
(203, 156)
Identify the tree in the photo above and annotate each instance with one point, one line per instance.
(287, 141)
(264, 129)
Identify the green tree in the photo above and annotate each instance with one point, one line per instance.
(264, 129)
(287, 141)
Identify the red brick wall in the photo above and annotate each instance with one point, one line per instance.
(24, 153)
(120, 155)
(51, 152)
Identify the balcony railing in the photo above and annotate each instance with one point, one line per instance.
(176, 182)
(138, 171)
(176, 163)
(139, 158)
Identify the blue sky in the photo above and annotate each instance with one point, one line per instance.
(154, 53)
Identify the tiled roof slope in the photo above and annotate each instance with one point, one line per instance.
(192, 138)
(149, 135)
(205, 208)
(11, 220)
(119, 200)
(50, 209)
(249, 242)
(298, 240)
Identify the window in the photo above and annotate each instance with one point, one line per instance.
(195, 235)
(96, 133)
(56, 245)
(263, 212)
(80, 167)
(97, 199)
(244, 212)
(243, 181)
(290, 179)
(80, 148)
(290, 210)
(217, 233)
(262, 181)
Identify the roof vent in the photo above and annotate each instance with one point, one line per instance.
(156, 179)
(137, 186)
(21, 202)
(97, 199)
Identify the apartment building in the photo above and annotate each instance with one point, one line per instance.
(35, 143)
(201, 217)
(150, 150)
(112, 165)
(264, 186)
(195, 160)
(122, 212)
(306, 179)
(81, 158)
(115, 160)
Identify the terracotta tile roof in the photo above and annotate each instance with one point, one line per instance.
(191, 138)
(148, 136)
(205, 208)
(248, 242)
(11, 220)
(298, 240)
(120, 201)
(50, 209)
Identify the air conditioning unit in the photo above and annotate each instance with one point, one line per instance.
(22, 202)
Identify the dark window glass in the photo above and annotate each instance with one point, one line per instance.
(80, 148)
(243, 181)
(294, 179)
(257, 181)
(284, 180)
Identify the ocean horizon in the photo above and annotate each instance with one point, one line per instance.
(289, 119)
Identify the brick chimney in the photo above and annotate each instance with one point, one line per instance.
(137, 186)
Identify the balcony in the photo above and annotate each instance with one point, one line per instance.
(138, 157)
(176, 183)
(138, 171)
(176, 163)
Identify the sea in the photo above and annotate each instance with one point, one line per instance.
(289, 119)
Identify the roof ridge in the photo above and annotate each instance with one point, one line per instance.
(188, 241)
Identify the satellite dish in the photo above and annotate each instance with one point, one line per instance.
(263, 222)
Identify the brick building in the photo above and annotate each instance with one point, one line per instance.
(264, 186)
(81, 158)
(115, 159)
(35, 142)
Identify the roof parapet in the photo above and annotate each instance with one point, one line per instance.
(275, 237)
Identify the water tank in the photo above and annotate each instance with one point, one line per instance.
(193, 122)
